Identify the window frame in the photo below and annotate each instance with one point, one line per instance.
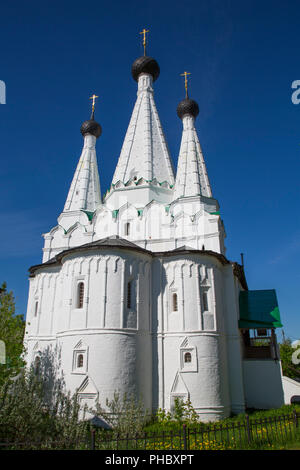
(79, 360)
(129, 295)
(81, 351)
(80, 295)
(174, 302)
(205, 303)
(191, 366)
(127, 227)
(188, 355)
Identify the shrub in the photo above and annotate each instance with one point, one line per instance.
(126, 415)
(35, 409)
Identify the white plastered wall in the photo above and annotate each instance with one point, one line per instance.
(263, 383)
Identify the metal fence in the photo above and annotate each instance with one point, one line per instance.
(247, 433)
(233, 435)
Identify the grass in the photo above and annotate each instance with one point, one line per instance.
(270, 430)
(168, 425)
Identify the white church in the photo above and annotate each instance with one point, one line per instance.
(135, 289)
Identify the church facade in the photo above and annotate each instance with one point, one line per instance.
(135, 290)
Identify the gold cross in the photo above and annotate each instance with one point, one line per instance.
(144, 32)
(93, 97)
(185, 74)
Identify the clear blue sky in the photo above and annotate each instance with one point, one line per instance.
(243, 57)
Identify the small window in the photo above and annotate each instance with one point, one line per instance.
(187, 357)
(129, 289)
(36, 307)
(80, 360)
(205, 301)
(80, 294)
(262, 332)
(175, 302)
(127, 229)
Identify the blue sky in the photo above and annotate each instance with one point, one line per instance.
(243, 57)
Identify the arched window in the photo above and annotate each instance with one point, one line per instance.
(36, 307)
(187, 357)
(127, 228)
(80, 360)
(129, 289)
(205, 301)
(175, 302)
(80, 294)
(37, 365)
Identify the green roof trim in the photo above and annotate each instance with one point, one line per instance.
(259, 309)
(136, 182)
(65, 231)
(89, 214)
(140, 212)
(215, 213)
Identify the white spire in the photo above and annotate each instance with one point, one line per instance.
(144, 152)
(191, 179)
(84, 193)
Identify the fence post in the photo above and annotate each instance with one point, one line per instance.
(295, 418)
(93, 432)
(248, 429)
(184, 437)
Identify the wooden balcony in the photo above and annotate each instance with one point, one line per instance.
(259, 347)
(258, 352)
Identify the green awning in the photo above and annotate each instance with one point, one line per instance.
(259, 309)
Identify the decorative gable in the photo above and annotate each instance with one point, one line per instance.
(188, 357)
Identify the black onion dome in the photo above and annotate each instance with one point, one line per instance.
(91, 127)
(187, 106)
(145, 64)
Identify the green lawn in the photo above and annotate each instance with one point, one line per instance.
(269, 429)
(156, 426)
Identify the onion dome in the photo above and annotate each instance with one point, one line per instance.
(187, 106)
(91, 127)
(145, 64)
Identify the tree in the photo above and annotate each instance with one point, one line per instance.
(124, 414)
(289, 369)
(12, 328)
(35, 408)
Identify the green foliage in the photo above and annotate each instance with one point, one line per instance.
(190, 414)
(286, 352)
(12, 328)
(183, 413)
(179, 409)
(35, 409)
(163, 417)
(126, 416)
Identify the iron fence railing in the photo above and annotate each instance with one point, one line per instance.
(249, 432)
(243, 434)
